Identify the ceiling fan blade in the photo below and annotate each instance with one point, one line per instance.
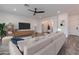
(30, 10)
(40, 12)
(26, 5)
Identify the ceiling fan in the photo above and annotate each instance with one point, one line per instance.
(35, 11)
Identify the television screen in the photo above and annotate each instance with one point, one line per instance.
(24, 25)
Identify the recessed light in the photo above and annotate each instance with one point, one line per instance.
(14, 9)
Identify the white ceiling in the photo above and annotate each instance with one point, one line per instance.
(50, 9)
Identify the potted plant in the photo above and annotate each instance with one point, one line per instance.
(2, 30)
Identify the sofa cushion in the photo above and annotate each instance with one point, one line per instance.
(21, 45)
(54, 47)
(13, 49)
(33, 48)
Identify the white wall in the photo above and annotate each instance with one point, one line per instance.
(15, 19)
(55, 25)
(63, 17)
(73, 24)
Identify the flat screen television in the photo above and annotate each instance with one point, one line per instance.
(24, 25)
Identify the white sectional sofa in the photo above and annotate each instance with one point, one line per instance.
(45, 45)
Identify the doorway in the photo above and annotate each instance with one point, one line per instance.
(47, 26)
